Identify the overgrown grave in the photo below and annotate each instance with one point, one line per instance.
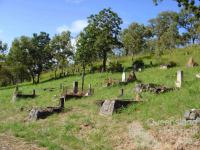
(42, 113)
(19, 94)
(114, 105)
(75, 92)
(124, 80)
(168, 65)
(151, 87)
(193, 116)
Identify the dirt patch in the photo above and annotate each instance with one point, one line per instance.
(174, 137)
(177, 137)
(8, 142)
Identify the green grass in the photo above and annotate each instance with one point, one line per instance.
(80, 126)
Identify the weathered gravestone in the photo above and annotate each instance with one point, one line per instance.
(191, 62)
(179, 79)
(107, 107)
(42, 113)
(75, 87)
(157, 89)
(192, 115)
(131, 77)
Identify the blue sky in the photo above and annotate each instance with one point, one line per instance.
(24, 17)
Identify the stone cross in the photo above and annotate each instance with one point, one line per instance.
(75, 87)
(123, 77)
(179, 78)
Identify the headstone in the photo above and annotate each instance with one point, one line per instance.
(90, 90)
(33, 92)
(62, 102)
(122, 92)
(75, 87)
(179, 79)
(191, 62)
(123, 77)
(107, 107)
(131, 77)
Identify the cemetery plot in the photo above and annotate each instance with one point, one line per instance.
(168, 65)
(110, 106)
(19, 94)
(42, 113)
(68, 94)
(124, 80)
(157, 89)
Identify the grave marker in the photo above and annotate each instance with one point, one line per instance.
(90, 90)
(123, 77)
(107, 108)
(179, 79)
(75, 87)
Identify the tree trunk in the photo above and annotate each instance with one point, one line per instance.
(104, 60)
(33, 78)
(38, 78)
(55, 74)
(193, 40)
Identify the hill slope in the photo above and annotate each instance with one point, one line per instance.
(80, 126)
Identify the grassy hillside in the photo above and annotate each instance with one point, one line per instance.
(80, 126)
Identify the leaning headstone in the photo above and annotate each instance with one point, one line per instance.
(107, 108)
(191, 62)
(123, 77)
(75, 87)
(179, 79)
(132, 77)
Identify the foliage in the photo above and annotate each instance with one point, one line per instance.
(62, 50)
(165, 30)
(105, 27)
(187, 4)
(190, 23)
(135, 38)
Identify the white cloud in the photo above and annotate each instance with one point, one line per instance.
(76, 27)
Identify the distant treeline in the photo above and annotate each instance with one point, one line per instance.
(28, 57)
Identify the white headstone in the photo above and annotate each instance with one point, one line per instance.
(123, 77)
(179, 78)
